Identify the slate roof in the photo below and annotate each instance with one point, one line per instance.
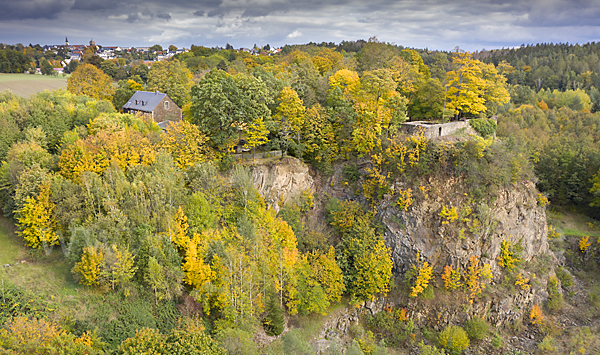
(144, 101)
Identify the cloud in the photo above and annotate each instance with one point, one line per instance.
(31, 9)
(436, 24)
(133, 17)
(164, 16)
(93, 5)
(294, 34)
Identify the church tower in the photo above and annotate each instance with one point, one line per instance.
(66, 41)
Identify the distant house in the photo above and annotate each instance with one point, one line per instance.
(154, 104)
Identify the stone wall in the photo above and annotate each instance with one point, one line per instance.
(172, 113)
(432, 130)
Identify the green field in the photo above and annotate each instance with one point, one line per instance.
(26, 85)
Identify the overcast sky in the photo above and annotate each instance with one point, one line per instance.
(434, 24)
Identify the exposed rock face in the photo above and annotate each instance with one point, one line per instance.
(514, 215)
(282, 182)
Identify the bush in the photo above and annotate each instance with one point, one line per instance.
(547, 345)
(454, 339)
(477, 328)
(485, 127)
(430, 350)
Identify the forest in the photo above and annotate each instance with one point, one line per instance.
(166, 232)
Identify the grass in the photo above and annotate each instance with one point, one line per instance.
(11, 249)
(26, 85)
(46, 274)
(569, 223)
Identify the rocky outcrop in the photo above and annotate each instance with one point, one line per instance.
(281, 182)
(513, 215)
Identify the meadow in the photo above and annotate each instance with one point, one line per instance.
(26, 85)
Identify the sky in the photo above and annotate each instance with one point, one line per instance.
(435, 24)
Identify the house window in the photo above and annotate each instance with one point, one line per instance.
(166, 105)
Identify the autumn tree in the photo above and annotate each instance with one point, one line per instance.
(320, 282)
(473, 84)
(35, 220)
(186, 144)
(89, 268)
(289, 116)
(256, 134)
(172, 78)
(365, 262)
(91, 81)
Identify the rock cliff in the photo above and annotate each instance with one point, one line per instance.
(510, 214)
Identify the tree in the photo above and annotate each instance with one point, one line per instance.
(473, 84)
(88, 269)
(289, 116)
(156, 48)
(186, 144)
(172, 78)
(109, 68)
(256, 134)
(222, 105)
(172, 48)
(91, 81)
(125, 92)
(46, 67)
(35, 220)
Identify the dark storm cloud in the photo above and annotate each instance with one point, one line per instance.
(164, 15)
(31, 9)
(440, 24)
(93, 5)
(131, 18)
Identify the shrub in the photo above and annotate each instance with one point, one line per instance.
(497, 341)
(430, 349)
(485, 127)
(548, 344)
(536, 315)
(477, 328)
(555, 298)
(507, 258)
(565, 277)
(454, 339)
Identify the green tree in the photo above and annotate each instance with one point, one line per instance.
(124, 92)
(109, 68)
(223, 104)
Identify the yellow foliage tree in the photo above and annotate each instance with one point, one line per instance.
(536, 315)
(88, 269)
(122, 270)
(424, 273)
(584, 243)
(507, 258)
(473, 83)
(186, 144)
(35, 219)
(290, 114)
(91, 81)
(451, 278)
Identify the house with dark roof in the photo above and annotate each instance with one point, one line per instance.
(157, 105)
